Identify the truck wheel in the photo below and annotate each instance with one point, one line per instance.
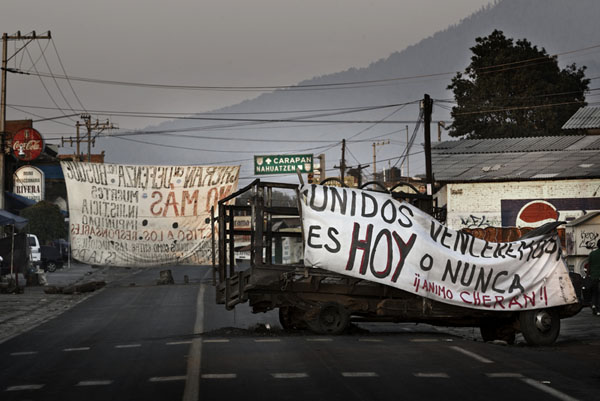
(492, 331)
(51, 266)
(540, 326)
(290, 318)
(332, 318)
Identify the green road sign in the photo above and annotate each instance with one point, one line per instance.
(283, 164)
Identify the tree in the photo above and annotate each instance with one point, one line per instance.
(514, 89)
(46, 221)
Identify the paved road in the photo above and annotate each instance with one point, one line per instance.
(137, 340)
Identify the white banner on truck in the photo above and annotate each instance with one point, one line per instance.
(143, 216)
(371, 236)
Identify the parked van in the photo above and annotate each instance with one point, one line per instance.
(35, 254)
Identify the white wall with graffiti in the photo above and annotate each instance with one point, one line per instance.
(517, 204)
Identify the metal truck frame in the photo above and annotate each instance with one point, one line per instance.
(326, 302)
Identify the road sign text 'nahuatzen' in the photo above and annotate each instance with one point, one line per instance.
(283, 164)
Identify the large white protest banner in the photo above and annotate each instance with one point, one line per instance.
(371, 236)
(142, 216)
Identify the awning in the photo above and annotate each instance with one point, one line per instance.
(16, 202)
(9, 219)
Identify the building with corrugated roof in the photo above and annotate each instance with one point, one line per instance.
(517, 182)
(586, 118)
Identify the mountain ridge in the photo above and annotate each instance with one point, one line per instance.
(445, 51)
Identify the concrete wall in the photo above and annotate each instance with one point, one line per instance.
(517, 204)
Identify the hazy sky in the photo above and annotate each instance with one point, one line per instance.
(207, 42)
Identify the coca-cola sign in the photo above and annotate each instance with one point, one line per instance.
(27, 144)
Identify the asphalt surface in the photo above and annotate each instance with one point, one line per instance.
(22, 312)
(135, 339)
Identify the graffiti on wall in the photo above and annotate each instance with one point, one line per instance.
(589, 240)
(473, 221)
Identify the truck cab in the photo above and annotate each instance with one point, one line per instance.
(35, 254)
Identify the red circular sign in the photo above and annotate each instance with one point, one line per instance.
(27, 144)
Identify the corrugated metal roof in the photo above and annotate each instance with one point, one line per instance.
(583, 219)
(534, 158)
(593, 145)
(586, 117)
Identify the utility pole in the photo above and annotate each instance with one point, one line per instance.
(441, 124)
(427, 107)
(322, 167)
(360, 168)
(407, 155)
(375, 144)
(342, 165)
(5, 59)
(90, 127)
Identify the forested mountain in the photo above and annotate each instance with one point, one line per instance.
(559, 26)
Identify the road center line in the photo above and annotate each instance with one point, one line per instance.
(94, 383)
(179, 342)
(128, 346)
(25, 387)
(504, 375)
(191, 391)
(267, 340)
(166, 378)
(219, 376)
(217, 340)
(471, 354)
(318, 340)
(23, 353)
(359, 374)
(76, 349)
(289, 375)
(424, 340)
(370, 340)
(548, 390)
(439, 375)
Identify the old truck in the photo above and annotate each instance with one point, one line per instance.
(326, 302)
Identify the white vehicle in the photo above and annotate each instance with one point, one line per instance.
(35, 254)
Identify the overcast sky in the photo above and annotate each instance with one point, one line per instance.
(207, 42)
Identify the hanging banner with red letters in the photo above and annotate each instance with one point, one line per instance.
(371, 236)
(144, 216)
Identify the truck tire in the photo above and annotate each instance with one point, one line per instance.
(540, 326)
(331, 318)
(503, 331)
(290, 318)
(51, 266)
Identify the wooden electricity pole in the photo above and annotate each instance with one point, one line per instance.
(342, 165)
(427, 106)
(5, 59)
(90, 127)
(375, 144)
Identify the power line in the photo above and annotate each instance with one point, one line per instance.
(528, 97)
(66, 76)
(43, 53)
(326, 86)
(498, 110)
(46, 88)
(171, 114)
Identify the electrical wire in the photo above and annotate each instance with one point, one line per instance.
(42, 118)
(46, 88)
(327, 86)
(66, 76)
(186, 114)
(43, 52)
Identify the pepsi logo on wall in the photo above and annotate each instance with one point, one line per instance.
(536, 212)
(27, 144)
